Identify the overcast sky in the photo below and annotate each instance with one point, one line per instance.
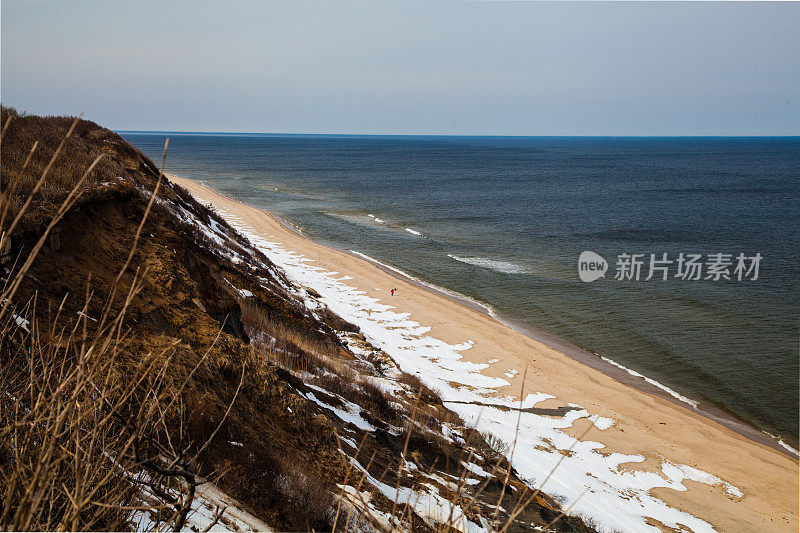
(504, 68)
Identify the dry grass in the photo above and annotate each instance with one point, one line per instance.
(466, 502)
(80, 420)
(429, 395)
(99, 423)
(92, 418)
(269, 332)
(48, 133)
(324, 364)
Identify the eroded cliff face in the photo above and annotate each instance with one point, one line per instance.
(279, 401)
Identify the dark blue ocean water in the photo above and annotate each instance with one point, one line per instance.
(503, 221)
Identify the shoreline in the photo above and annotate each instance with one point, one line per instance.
(596, 361)
(596, 391)
(606, 365)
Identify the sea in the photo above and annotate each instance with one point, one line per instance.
(504, 221)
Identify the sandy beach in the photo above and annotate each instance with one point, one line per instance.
(644, 423)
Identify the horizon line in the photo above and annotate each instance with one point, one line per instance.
(474, 135)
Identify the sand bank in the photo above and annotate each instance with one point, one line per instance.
(756, 487)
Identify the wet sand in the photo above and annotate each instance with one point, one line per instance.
(646, 422)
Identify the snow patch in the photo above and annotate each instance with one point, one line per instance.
(614, 498)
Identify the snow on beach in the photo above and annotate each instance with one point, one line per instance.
(211, 510)
(590, 481)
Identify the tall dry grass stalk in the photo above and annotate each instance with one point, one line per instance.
(92, 436)
(87, 431)
(461, 498)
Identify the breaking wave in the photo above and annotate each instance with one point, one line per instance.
(503, 267)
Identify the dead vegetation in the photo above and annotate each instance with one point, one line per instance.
(132, 366)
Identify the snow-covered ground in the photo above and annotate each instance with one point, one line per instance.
(591, 482)
(212, 510)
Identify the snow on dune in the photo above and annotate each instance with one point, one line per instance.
(614, 499)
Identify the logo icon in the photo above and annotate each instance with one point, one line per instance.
(591, 266)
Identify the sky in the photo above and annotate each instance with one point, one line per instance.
(455, 68)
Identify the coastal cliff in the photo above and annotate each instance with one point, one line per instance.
(158, 371)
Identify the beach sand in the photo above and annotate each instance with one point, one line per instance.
(644, 423)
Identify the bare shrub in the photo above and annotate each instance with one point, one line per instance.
(337, 323)
(270, 330)
(310, 501)
(429, 395)
(498, 445)
(374, 400)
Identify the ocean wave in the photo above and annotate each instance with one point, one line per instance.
(653, 382)
(414, 232)
(783, 444)
(503, 267)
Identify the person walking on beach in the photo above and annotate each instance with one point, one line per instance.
(393, 292)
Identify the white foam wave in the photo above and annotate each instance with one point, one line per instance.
(783, 444)
(653, 382)
(504, 267)
(789, 448)
(414, 232)
(615, 499)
